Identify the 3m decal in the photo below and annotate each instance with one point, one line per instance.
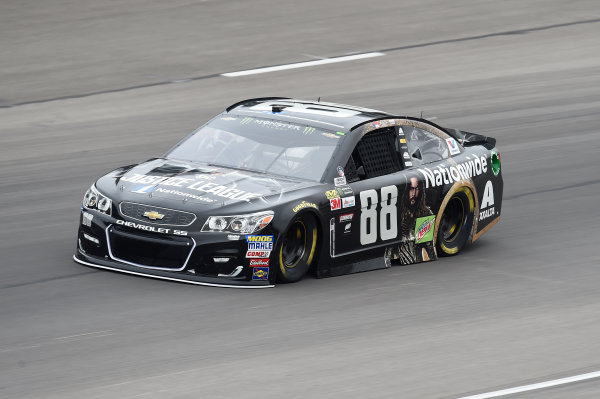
(332, 194)
(387, 218)
(303, 205)
(260, 273)
(348, 202)
(448, 175)
(424, 229)
(258, 254)
(487, 203)
(336, 203)
(252, 238)
(452, 146)
(339, 181)
(259, 262)
(346, 217)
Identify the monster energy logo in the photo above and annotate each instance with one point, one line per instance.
(246, 120)
(309, 130)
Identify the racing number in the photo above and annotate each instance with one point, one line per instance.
(388, 220)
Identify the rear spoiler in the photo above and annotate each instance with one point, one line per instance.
(468, 139)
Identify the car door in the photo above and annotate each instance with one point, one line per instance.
(375, 181)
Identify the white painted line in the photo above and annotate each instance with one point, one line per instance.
(302, 64)
(532, 387)
(80, 335)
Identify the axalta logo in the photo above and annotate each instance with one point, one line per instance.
(259, 238)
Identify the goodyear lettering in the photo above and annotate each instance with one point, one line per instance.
(303, 205)
(450, 174)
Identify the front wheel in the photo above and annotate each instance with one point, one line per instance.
(456, 223)
(297, 249)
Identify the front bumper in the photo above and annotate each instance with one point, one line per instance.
(211, 259)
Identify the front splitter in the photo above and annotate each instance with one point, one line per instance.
(165, 275)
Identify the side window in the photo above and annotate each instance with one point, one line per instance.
(374, 155)
(423, 146)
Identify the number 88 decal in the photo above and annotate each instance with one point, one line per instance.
(388, 220)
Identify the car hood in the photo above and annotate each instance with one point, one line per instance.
(161, 182)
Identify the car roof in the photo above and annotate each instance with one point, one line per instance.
(325, 115)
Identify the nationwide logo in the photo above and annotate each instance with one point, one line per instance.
(259, 262)
(260, 273)
(143, 189)
(450, 174)
(424, 229)
(154, 215)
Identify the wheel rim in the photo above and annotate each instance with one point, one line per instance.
(453, 219)
(294, 245)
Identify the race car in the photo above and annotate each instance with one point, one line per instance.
(275, 188)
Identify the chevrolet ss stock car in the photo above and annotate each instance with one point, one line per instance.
(274, 188)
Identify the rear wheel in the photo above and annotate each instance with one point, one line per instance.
(456, 223)
(297, 249)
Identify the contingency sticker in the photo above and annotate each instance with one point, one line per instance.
(452, 146)
(424, 229)
(260, 273)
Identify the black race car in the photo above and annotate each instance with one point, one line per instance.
(273, 188)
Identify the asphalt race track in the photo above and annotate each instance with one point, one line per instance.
(88, 86)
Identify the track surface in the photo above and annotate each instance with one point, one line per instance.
(520, 306)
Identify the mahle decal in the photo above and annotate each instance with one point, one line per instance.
(424, 229)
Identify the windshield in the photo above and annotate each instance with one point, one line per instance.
(261, 145)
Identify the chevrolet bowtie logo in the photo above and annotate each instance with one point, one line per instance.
(154, 215)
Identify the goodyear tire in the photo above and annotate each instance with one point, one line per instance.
(456, 223)
(297, 250)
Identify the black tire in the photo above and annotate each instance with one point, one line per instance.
(456, 223)
(297, 249)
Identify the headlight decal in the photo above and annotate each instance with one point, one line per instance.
(93, 200)
(240, 224)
